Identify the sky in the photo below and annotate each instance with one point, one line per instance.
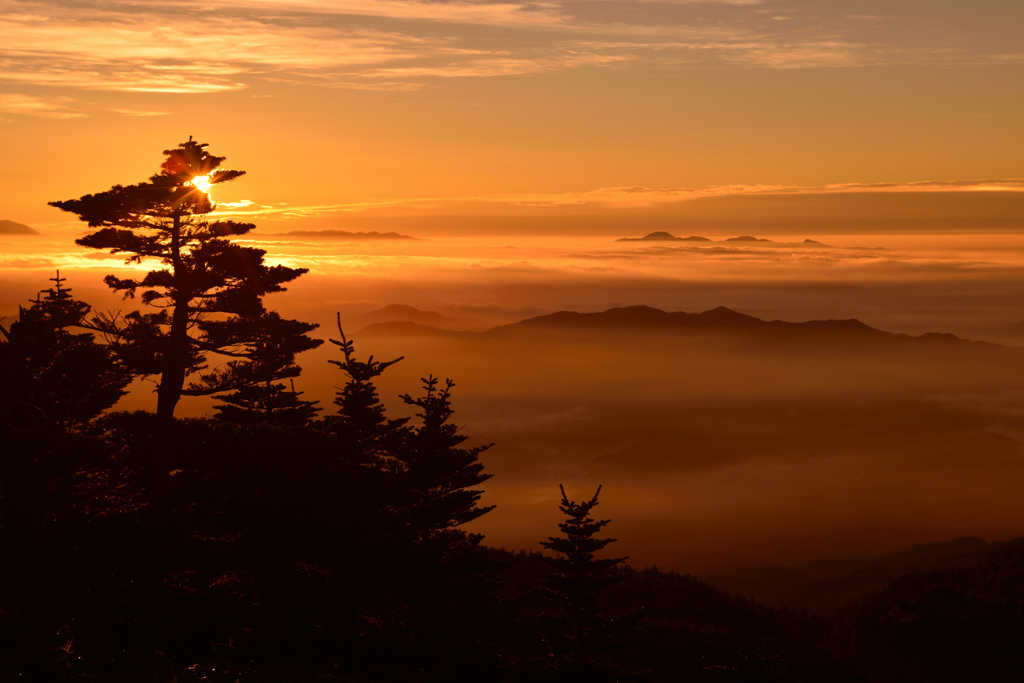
(334, 107)
(517, 141)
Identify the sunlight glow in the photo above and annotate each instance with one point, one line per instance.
(202, 182)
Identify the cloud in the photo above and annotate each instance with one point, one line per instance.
(138, 112)
(225, 45)
(633, 196)
(530, 14)
(28, 105)
(142, 52)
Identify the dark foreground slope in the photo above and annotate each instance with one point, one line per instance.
(962, 619)
(956, 614)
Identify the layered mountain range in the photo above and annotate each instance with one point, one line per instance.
(409, 321)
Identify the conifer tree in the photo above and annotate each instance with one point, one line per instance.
(52, 381)
(437, 477)
(270, 358)
(440, 474)
(370, 438)
(584, 644)
(50, 372)
(209, 294)
(270, 402)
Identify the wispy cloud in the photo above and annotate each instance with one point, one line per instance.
(139, 112)
(611, 197)
(221, 45)
(530, 14)
(29, 105)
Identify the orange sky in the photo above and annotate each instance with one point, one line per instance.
(344, 104)
(518, 140)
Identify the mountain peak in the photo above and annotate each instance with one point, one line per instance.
(747, 238)
(12, 228)
(662, 236)
(403, 313)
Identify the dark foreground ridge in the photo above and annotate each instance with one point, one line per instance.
(944, 612)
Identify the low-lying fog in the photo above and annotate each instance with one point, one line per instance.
(712, 448)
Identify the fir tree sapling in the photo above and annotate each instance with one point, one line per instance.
(370, 438)
(582, 644)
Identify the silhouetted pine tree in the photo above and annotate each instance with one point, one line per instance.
(208, 299)
(52, 382)
(583, 642)
(45, 370)
(210, 295)
(269, 402)
(439, 474)
(271, 358)
(446, 589)
(365, 433)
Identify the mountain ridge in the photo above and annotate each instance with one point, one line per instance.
(11, 228)
(647, 318)
(342, 235)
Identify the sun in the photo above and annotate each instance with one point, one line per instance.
(202, 183)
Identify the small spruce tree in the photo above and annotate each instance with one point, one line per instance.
(369, 437)
(440, 474)
(269, 403)
(49, 371)
(582, 645)
(437, 480)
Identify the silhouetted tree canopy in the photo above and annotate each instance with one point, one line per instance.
(268, 545)
(48, 372)
(582, 643)
(209, 295)
(369, 437)
(438, 472)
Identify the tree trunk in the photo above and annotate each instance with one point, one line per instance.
(172, 379)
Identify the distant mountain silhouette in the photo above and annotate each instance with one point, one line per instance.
(669, 237)
(719, 321)
(343, 235)
(400, 313)
(12, 228)
(828, 585)
(746, 238)
(393, 314)
(664, 237)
